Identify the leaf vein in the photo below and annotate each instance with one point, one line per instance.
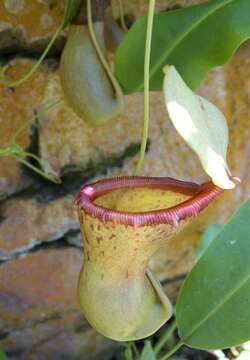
(182, 37)
(214, 310)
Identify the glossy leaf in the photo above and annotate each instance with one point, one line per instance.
(201, 124)
(71, 9)
(213, 307)
(194, 39)
(3, 356)
(147, 352)
(207, 238)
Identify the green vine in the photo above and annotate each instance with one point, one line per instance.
(34, 68)
(163, 340)
(122, 17)
(172, 351)
(71, 8)
(113, 80)
(146, 87)
(17, 152)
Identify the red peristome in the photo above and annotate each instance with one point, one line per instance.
(201, 196)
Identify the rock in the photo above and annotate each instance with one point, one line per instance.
(140, 7)
(66, 141)
(29, 24)
(75, 238)
(16, 109)
(39, 238)
(39, 312)
(26, 224)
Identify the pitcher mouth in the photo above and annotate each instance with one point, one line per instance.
(200, 196)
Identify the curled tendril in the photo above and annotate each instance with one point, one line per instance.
(71, 8)
(69, 14)
(122, 16)
(17, 152)
(120, 5)
(12, 84)
(94, 40)
(144, 139)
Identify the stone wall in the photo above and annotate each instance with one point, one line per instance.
(40, 245)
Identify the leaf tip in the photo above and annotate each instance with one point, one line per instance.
(228, 183)
(166, 68)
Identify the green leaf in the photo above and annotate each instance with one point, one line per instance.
(71, 9)
(213, 307)
(147, 352)
(194, 39)
(3, 356)
(207, 238)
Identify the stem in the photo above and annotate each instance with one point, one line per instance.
(21, 128)
(122, 18)
(34, 68)
(159, 290)
(31, 119)
(159, 345)
(172, 351)
(33, 156)
(128, 352)
(146, 87)
(136, 352)
(5, 152)
(113, 80)
(40, 172)
(14, 150)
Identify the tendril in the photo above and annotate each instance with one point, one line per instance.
(144, 138)
(17, 152)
